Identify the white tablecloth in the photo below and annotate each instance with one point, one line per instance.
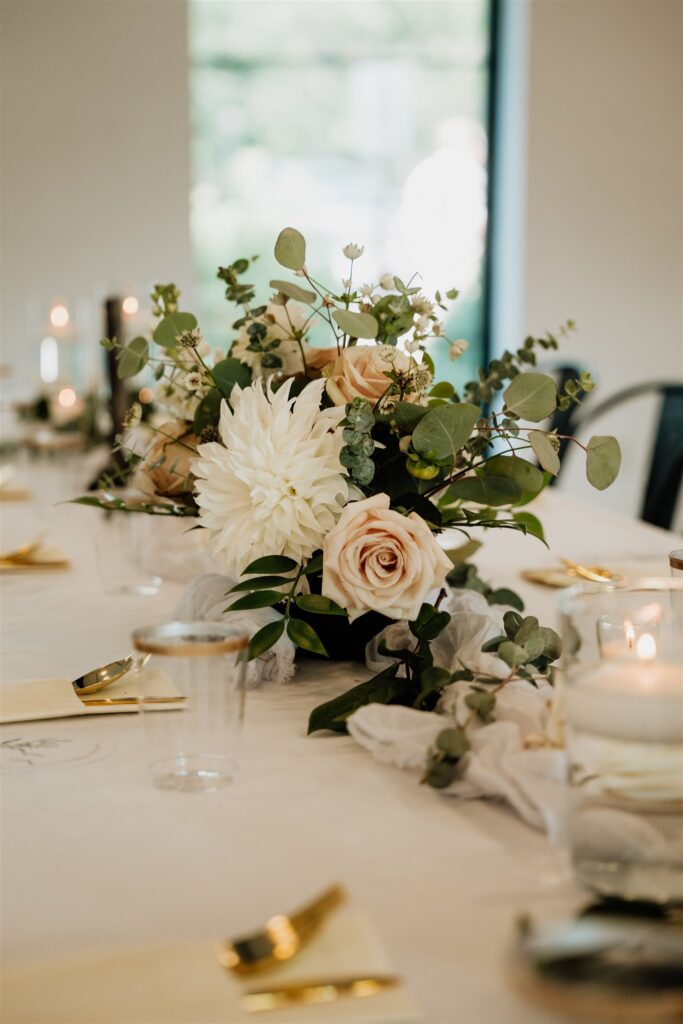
(95, 857)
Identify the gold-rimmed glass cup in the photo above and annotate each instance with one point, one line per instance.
(191, 695)
(676, 562)
(623, 666)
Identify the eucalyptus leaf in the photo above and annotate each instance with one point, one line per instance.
(229, 372)
(168, 329)
(603, 461)
(294, 291)
(545, 451)
(133, 358)
(532, 396)
(265, 638)
(290, 249)
(527, 476)
(512, 654)
(453, 743)
(356, 325)
(482, 702)
(444, 430)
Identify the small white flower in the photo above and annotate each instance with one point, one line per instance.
(367, 290)
(437, 329)
(422, 378)
(422, 305)
(411, 345)
(353, 251)
(346, 283)
(387, 282)
(387, 352)
(423, 325)
(133, 416)
(193, 381)
(458, 348)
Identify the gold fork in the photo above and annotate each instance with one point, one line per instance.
(593, 573)
(281, 937)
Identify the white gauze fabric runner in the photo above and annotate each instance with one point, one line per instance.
(517, 758)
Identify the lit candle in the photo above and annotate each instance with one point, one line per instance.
(639, 699)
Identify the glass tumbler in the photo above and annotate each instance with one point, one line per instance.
(676, 562)
(623, 665)
(192, 740)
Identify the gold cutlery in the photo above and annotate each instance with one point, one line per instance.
(103, 702)
(281, 937)
(317, 992)
(593, 573)
(98, 678)
(23, 553)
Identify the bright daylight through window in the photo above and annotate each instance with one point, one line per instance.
(362, 122)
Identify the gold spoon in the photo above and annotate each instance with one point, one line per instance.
(98, 678)
(594, 573)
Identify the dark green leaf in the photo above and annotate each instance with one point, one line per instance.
(208, 412)
(270, 563)
(265, 638)
(491, 646)
(440, 774)
(260, 583)
(406, 415)
(512, 622)
(303, 635)
(315, 565)
(444, 430)
(532, 396)
(168, 329)
(484, 490)
(552, 644)
(531, 524)
(259, 599)
(229, 372)
(503, 595)
(527, 626)
(316, 604)
(512, 654)
(429, 623)
(384, 688)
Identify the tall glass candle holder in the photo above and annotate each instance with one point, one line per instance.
(624, 717)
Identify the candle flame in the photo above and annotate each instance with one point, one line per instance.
(130, 305)
(630, 635)
(646, 648)
(67, 397)
(59, 315)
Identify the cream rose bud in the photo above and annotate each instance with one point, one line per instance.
(167, 467)
(361, 372)
(376, 559)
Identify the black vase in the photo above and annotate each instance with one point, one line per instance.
(343, 640)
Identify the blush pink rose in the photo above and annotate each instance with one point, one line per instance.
(376, 559)
(361, 372)
(166, 469)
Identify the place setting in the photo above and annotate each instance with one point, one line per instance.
(348, 682)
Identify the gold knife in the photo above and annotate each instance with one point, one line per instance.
(325, 991)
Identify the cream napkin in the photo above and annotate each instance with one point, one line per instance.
(56, 698)
(184, 984)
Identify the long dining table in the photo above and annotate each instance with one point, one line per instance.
(95, 858)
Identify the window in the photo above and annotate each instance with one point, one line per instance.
(363, 122)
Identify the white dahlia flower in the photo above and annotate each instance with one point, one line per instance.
(275, 485)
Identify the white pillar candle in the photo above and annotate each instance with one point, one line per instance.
(640, 701)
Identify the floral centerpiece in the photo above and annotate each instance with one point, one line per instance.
(325, 476)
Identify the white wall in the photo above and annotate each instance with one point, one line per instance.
(95, 157)
(604, 204)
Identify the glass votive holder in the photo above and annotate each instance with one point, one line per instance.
(624, 729)
(122, 546)
(192, 743)
(676, 562)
